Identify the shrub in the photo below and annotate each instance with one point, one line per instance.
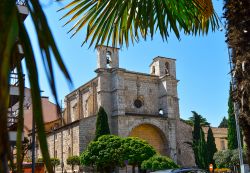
(158, 162)
(105, 153)
(54, 161)
(73, 160)
(136, 151)
(110, 151)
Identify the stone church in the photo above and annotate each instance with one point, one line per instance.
(138, 104)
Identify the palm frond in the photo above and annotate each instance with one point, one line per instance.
(123, 20)
(10, 58)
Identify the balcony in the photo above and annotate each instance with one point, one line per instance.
(14, 99)
(22, 8)
(14, 82)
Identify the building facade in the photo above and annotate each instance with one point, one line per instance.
(137, 104)
(220, 137)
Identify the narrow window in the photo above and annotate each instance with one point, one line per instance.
(222, 142)
(108, 58)
(167, 68)
(153, 70)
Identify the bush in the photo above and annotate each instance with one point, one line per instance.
(110, 151)
(136, 151)
(158, 162)
(73, 160)
(228, 158)
(105, 153)
(54, 161)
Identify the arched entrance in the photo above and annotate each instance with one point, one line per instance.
(153, 135)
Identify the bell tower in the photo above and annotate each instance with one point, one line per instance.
(162, 66)
(107, 57)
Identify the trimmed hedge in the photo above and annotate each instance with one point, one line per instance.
(158, 162)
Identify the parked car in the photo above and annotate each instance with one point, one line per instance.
(182, 170)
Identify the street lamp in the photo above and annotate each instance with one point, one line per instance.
(236, 113)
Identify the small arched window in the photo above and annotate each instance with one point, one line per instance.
(167, 68)
(161, 112)
(108, 58)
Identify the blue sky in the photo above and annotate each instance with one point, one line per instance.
(202, 64)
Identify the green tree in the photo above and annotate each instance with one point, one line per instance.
(191, 120)
(236, 13)
(211, 146)
(202, 152)
(73, 161)
(102, 125)
(231, 131)
(54, 162)
(136, 151)
(199, 144)
(105, 153)
(228, 158)
(222, 158)
(158, 162)
(197, 126)
(223, 123)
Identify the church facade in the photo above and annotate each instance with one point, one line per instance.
(137, 104)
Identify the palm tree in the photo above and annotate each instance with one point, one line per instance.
(12, 32)
(237, 14)
(191, 120)
(119, 21)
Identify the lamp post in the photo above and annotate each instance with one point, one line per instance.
(62, 163)
(236, 113)
(33, 145)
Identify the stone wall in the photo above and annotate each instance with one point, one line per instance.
(70, 141)
(144, 88)
(185, 153)
(220, 136)
(82, 102)
(86, 132)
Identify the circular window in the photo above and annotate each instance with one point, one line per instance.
(138, 103)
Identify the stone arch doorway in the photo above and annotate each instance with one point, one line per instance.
(153, 135)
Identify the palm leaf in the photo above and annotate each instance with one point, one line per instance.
(8, 35)
(14, 29)
(20, 114)
(124, 19)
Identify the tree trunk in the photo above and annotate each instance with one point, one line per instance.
(246, 131)
(238, 33)
(100, 169)
(133, 168)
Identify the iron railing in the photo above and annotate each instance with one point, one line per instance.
(14, 79)
(21, 2)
